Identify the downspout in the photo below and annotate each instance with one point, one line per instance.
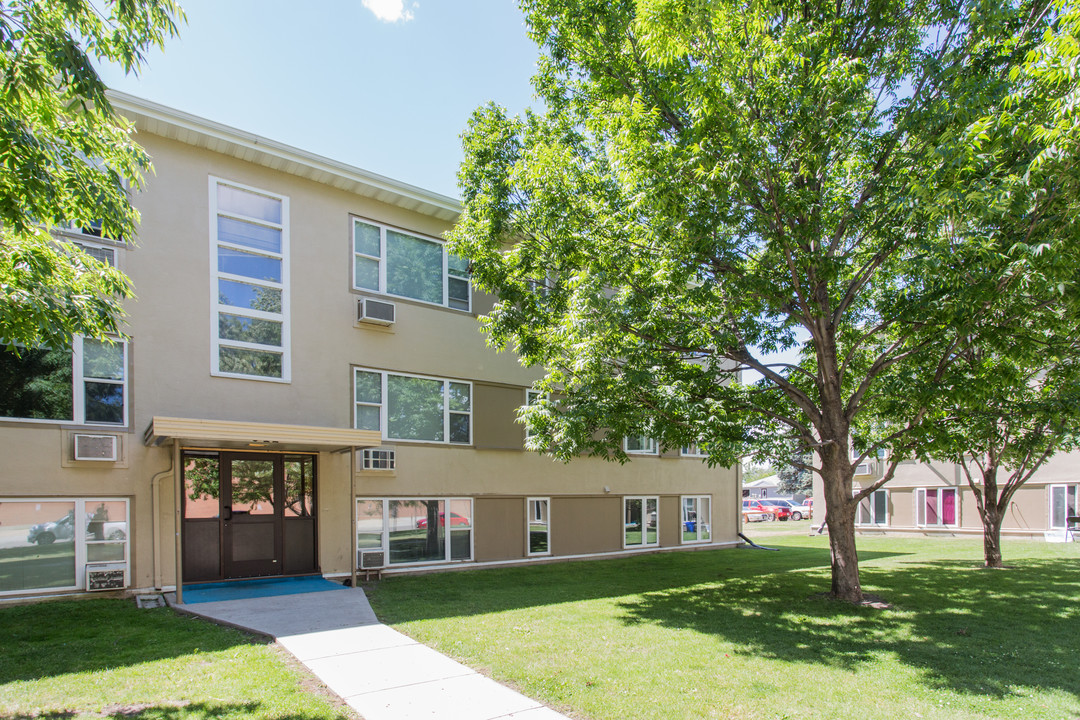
(155, 494)
(178, 537)
(352, 516)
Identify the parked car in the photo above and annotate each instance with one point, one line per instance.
(779, 510)
(455, 520)
(749, 516)
(805, 509)
(63, 529)
(798, 512)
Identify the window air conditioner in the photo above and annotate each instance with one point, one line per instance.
(372, 559)
(102, 448)
(106, 576)
(377, 312)
(863, 469)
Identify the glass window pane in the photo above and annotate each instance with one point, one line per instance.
(256, 237)
(369, 524)
(651, 520)
(704, 526)
(251, 204)
(414, 267)
(202, 487)
(368, 387)
(632, 525)
(249, 362)
(880, 499)
(38, 549)
(461, 513)
(417, 531)
(948, 507)
(689, 519)
(458, 294)
(37, 384)
(105, 552)
(244, 295)
(414, 408)
(103, 360)
(367, 273)
(459, 428)
(245, 329)
(252, 487)
(458, 266)
(299, 487)
(932, 516)
(106, 520)
(459, 397)
(257, 267)
(367, 417)
(104, 402)
(366, 239)
(460, 544)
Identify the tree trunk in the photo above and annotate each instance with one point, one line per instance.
(991, 519)
(840, 517)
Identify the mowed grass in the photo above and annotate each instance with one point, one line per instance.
(748, 634)
(106, 658)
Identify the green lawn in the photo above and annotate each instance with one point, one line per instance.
(105, 658)
(747, 634)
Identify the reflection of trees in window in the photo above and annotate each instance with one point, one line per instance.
(202, 479)
(414, 267)
(36, 384)
(414, 408)
(252, 482)
(300, 486)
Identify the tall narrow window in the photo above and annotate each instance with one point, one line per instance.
(873, 510)
(249, 238)
(936, 507)
(640, 521)
(537, 526)
(1063, 504)
(697, 519)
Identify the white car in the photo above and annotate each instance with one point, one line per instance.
(799, 511)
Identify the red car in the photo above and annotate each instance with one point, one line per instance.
(776, 512)
(455, 520)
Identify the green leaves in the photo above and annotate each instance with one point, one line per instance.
(66, 158)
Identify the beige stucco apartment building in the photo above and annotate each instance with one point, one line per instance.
(934, 499)
(305, 389)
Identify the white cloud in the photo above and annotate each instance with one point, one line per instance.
(390, 10)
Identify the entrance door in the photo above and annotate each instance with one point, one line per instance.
(248, 515)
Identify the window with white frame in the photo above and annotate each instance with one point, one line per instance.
(403, 264)
(873, 509)
(84, 385)
(413, 531)
(696, 518)
(538, 526)
(641, 521)
(640, 445)
(936, 507)
(51, 542)
(1063, 504)
(249, 251)
(693, 450)
(413, 407)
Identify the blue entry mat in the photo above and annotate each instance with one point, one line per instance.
(257, 588)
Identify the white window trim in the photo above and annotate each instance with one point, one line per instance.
(81, 503)
(381, 290)
(385, 547)
(447, 412)
(920, 502)
(692, 450)
(697, 522)
(216, 307)
(529, 520)
(644, 518)
(78, 391)
(870, 499)
(653, 450)
(1050, 504)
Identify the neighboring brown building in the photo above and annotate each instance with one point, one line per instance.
(305, 384)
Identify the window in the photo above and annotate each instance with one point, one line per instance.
(693, 450)
(394, 262)
(1062, 505)
(697, 519)
(50, 542)
(873, 510)
(537, 526)
(640, 445)
(84, 385)
(249, 250)
(935, 507)
(413, 407)
(379, 459)
(415, 531)
(640, 521)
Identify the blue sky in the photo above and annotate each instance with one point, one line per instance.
(385, 85)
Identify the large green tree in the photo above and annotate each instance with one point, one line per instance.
(714, 181)
(66, 159)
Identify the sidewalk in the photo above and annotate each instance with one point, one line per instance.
(379, 672)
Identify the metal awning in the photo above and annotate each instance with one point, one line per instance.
(233, 434)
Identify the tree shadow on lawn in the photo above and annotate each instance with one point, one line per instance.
(971, 630)
(171, 711)
(55, 638)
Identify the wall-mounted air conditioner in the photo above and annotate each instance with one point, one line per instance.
(863, 469)
(377, 312)
(101, 448)
(106, 576)
(378, 459)
(372, 559)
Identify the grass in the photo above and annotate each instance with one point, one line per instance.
(105, 658)
(748, 634)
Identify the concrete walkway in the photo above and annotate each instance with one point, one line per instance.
(379, 672)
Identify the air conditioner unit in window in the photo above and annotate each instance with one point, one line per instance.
(863, 469)
(102, 448)
(377, 312)
(106, 576)
(372, 559)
